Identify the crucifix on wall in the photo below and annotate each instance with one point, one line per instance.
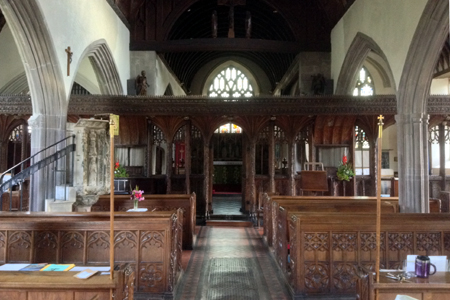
(69, 59)
(231, 4)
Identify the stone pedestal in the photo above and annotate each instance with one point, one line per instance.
(92, 162)
(52, 205)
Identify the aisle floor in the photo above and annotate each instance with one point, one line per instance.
(231, 263)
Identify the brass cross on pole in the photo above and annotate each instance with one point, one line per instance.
(378, 220)
(69, 59)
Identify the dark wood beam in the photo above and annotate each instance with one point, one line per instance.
(218, 44)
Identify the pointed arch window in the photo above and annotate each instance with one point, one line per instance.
(364, 84)
(231, 83)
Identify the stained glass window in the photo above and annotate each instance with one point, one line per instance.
(229, 128)
(231, 83)
(364, 84)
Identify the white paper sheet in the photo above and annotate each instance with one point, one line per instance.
(404, 297)
(93, 268)
(12, 267)
(139, 209)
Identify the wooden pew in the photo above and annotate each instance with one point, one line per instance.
(435, 206)
(149, 241)
(187, 202)
(267, 206)
(282, 210)
(326, 247)
(17, 285)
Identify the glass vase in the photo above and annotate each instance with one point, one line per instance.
(136, 204)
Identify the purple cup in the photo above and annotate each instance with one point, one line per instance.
(423, 265)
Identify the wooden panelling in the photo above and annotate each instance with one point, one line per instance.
(325, 248)
(150, 242)
(186, 202)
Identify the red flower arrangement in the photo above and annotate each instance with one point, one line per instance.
(119, 171)
(345, 170)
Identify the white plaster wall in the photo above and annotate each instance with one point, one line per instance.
(163, 78)
(158, 76)
(439, 86)
(86, 77)
(10, 62)
(390, 23)
(79, 23)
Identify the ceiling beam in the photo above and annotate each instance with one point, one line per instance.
(218, 44)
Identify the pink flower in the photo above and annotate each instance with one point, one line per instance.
(136, 194)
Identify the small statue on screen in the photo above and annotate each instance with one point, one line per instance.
(141, 84)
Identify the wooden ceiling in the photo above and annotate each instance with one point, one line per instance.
(181, 31)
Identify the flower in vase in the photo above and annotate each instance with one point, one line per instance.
(136, 196)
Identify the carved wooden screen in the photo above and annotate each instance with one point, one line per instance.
(159, 151)
(196, 151)
(262, 152)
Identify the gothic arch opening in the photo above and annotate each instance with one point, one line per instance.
(364, 52)
(221, 71)
(104, 67)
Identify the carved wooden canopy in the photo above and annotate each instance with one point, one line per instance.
(205, 106)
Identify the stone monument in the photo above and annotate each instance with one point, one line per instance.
(92, 164)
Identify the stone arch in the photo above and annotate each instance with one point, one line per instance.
(45, 80)
(104, 66)
(35, 46)
(420, 63)
(362, 48)
(412, 117)
(17, 85)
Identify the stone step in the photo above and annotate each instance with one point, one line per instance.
(229, 223)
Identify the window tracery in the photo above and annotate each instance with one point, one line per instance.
(364, 84)
(231, 83)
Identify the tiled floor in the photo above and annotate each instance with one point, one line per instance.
(231, 264)
(227, 204)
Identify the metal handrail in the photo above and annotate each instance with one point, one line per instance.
(24, 174)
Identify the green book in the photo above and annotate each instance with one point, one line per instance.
(58, 267)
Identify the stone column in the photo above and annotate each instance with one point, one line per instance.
(413, 162)
(46, 130)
